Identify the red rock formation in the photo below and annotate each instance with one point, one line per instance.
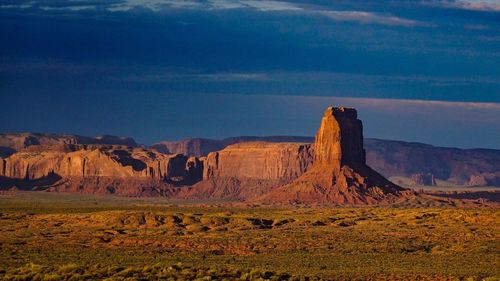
(97, 167)
(424, 179)
(477, 180)
(339, 174)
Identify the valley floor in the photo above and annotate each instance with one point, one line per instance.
(76, 237)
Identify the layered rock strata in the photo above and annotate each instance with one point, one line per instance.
(259, 160)
(104, 169)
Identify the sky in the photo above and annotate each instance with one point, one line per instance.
(423, 71)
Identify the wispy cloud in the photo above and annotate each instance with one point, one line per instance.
(474, 5)
(266, 6)
(401, 103)
(369, 17)
(333, 78)
(493, 6)
(201, 77)
(155, 5)
(15, 6)
(68, 8)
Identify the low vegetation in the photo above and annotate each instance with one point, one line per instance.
(66, 237)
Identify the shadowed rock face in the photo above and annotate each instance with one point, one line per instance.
(18, 141)
(458, 166)
(202, 147)
(339, 174)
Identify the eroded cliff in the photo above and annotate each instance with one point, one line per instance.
(97, 169)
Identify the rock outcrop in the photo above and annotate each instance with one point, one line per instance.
(424, 179)
(339, 174)
(484, 179)
(97, 169)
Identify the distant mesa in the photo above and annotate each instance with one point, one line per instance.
(18, 141)
(202, 147)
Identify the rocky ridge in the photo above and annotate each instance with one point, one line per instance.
(12, 142)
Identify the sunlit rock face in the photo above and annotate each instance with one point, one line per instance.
(259, 160)
(339, 140)
(97, 169)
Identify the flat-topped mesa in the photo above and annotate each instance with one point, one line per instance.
(339, 140)
(259, 160)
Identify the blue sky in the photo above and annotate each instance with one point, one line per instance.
(215, 67)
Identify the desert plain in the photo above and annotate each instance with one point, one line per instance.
(57, 236)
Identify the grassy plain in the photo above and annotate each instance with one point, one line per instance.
(46, 236)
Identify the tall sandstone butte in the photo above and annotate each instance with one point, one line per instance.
(339, 174)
